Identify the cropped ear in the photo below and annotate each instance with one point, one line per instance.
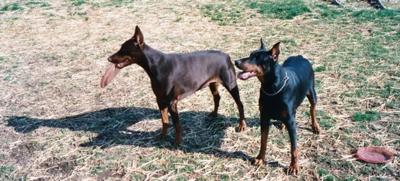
(138, 37)
(262, 44)
(275, 51)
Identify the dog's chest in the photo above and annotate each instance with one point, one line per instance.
(273, 108)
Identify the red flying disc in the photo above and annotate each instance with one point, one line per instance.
(374, 154)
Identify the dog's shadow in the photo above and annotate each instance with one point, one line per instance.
(201, 134)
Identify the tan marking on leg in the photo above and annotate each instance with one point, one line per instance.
(177, 124)
(294, 165)
(216, 97)
(314, 123)
(260, 159)
(165, 122)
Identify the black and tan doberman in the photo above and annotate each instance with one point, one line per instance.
(283, 89)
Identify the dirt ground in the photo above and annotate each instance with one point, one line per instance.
(56, 123)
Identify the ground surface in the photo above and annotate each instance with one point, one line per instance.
(56, 122)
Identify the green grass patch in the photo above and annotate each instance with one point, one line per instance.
(376, 142)
(362, 92)
(137, 176)
(378, 178)
(181, 178)
(324, 119)
(350, 178)
(370, 169)
(320, 68)
(367, 116)
(280, 140)
(280, 9)
(8, 75)
(394, 128)
(376, 15)
(11, 7)
(6, 171)
(328, 163)
(325, 123)
(388, 90)
(329, 12)
(374, 49)
(289, 42)
(222, 13)
(34, 4)
(19, 6)
(97, 169)
(393, 38)
(112, 3)
(349, 141)
(397, 142)
(225, 177)
(325, 175)
(120, 3)
(78, 2)
(333, 163)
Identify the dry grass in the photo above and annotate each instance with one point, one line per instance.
(56, 123)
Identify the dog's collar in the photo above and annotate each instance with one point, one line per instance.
(285, 79)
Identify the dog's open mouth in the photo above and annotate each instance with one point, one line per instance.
(122, 64)
(246, 75)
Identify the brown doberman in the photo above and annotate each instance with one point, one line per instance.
(176, 76)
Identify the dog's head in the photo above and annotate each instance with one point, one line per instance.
(131, 52)
(259, 63)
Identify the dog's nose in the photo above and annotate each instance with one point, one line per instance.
(237, 63)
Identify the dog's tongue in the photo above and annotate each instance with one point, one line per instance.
(110, 73)
(246, 75)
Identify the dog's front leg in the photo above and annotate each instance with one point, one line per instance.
(163, 106)
(291, 127)
(265, 124)
(173, 110)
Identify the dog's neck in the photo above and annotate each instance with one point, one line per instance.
(151, 58)
(274, 79)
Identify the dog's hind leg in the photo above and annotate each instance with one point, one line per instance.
(214, 90)
(312, 97)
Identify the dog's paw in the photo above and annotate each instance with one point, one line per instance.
(293, 168)
(316, 129)
(241, 127)
(258, 161)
